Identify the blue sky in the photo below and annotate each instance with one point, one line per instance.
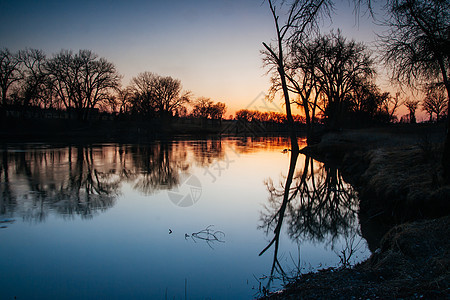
(211, 46)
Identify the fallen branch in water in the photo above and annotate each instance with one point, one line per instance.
(209, 235)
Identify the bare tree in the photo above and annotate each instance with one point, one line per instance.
(205, 108)
(435, 101)
(367, 99)
(302, 17)
(412, 107)
(301, 80)
(9, 72)
(390, 105)
(99, 78)
(158, 95)
(168, 95)
(341, 66)
(82, 80)
(202, 107)
(416, 48)
(142, 93)
(123, 100)
(218, 110)
(36, 89)
(416, 44)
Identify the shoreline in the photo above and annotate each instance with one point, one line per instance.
(398, 178)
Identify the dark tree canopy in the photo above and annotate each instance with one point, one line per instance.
(435, 101)
(9, 72)
(82, 80)
(156, 95)
(416, 45)
(205, 108)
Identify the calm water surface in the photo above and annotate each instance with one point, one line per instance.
(168, 220)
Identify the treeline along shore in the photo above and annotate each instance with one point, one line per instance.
(35, 124)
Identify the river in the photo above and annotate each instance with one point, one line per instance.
(178, 219)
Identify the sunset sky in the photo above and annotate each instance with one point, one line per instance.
(213, 47)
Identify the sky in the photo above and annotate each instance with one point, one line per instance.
(212, 46)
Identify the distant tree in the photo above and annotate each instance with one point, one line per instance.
(390, 105)
(155, 95)
(218, 110)
(9, 72)
(435, 101)
(202, 107)
(412, 107)
(244, 115)
(142, 94)
(82, 80)
(366, 99)
(168, 95)
(205, 108)
(36, 86)
(123, 101)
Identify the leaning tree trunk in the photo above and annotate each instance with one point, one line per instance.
(446, 153)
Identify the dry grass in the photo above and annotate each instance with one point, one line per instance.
(396, 170)
(405, 182)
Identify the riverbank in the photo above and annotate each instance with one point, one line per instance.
(131, 130)
(396, 172)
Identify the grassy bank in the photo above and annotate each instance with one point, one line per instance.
(396, 172)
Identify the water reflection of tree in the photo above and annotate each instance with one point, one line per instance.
(84, 180)
(157, 167)
(7, 197)
(316, 204)
(65, 180)
(207, 151)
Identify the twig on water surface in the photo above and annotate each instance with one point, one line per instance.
(209, 235)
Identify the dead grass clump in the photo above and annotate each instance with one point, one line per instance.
(417, 250)
(405, 182)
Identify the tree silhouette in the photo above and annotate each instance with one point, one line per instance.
(202, 107)
(416, 48)
(36, 88)
(155, 95)
(302, 17)
(9, 72)
(332, 76)
(435, 101)
(412, 107)
(341, 65)
(82, 80)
